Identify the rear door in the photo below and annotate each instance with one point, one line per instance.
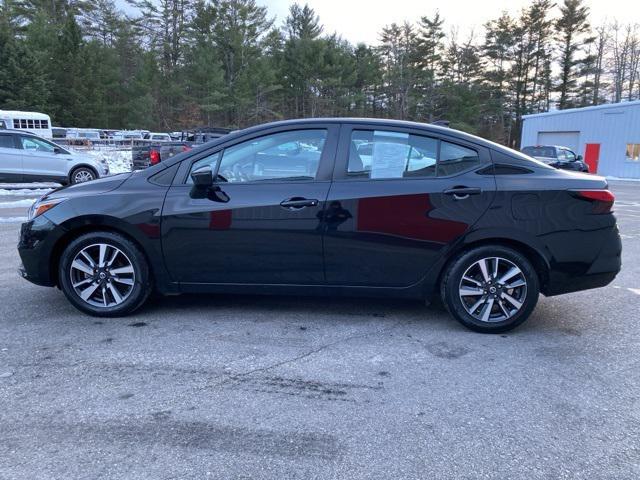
(262, 225)
(10, 159)
(399, 198)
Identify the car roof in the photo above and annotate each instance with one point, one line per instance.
(426, 127)
(13, 131)
(366, 121)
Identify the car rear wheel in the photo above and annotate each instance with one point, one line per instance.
(82, 174)
(490, 289)
(104, 274)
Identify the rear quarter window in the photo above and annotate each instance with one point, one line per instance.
(6, 141)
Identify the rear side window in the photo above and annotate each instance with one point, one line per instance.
(385, 155)
(6, 141)
(455, 159)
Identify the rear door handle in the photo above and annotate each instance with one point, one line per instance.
(296, 203)
(461, 193)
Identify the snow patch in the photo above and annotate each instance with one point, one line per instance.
(23, 192)
(119, 161)
(27, 202)
(623, 179)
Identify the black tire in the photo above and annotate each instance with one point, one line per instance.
(141, 282)
(77, 174)
(450, 289)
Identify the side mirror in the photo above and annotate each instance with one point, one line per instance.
(578, 157)
(57, 150)
(203, 177)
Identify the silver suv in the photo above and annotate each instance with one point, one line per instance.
(25, 157)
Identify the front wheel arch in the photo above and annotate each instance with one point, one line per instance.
(71, 235)
(77, 167)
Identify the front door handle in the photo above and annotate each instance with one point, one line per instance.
(462, 193)
(296, 203)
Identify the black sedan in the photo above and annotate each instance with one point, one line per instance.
(331, 207)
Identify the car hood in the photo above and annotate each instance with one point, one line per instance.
(94, 187)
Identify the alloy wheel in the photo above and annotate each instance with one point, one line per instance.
(102, 275)
(493, 289)
(82, 176)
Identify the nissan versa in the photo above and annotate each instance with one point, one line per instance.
(334, 207)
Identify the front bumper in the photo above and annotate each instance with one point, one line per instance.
(38, 238)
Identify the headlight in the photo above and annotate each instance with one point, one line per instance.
(41, 206)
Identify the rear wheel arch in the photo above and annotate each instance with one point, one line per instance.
(537, 259)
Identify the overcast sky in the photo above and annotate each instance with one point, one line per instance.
(362, 20)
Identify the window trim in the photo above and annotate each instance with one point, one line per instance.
(325, 167)
(342, 158)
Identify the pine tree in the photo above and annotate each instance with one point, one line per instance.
(573, 36)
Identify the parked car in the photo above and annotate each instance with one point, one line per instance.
(82, 136)
(160, 137)
(148, 154)
(25, 157)
(58, 133)
(128, 135)
(290, 207)
(557, 157)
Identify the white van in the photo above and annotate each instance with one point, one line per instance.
(34, 122)
(128, 135)
(83, 134)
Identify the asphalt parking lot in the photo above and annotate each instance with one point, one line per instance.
(252, 387)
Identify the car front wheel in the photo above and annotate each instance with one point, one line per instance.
(104, 274)
(82, 174)
(490, 289)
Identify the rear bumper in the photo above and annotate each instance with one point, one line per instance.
(600, 272)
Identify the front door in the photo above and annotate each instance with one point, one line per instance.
(400, 197)
(260, 223)
(40, 160)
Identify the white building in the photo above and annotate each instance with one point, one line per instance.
(607, 136)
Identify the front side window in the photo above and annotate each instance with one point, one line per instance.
(36, 145)
(387, 155)
(570, 156)
(633, 152)
(287, 156)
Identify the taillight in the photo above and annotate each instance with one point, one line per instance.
(602, 200)
(154, 157)
(186, 148)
